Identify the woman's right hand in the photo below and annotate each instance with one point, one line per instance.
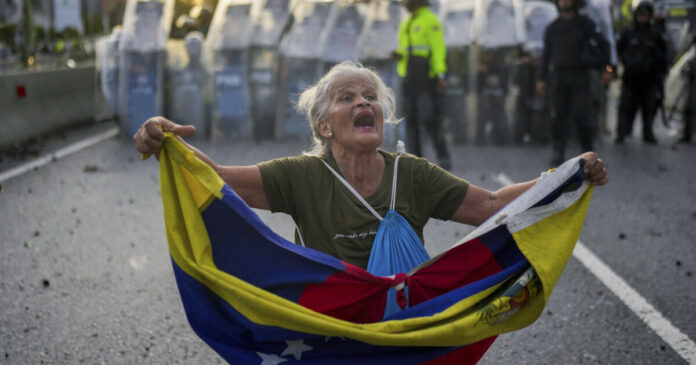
(149, 138)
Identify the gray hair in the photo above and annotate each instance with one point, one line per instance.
(314, 101)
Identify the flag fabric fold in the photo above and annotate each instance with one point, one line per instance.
(256, 298)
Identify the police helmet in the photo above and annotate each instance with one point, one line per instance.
(415, 3)
(643, 5)
(194, 43)
(577, 4)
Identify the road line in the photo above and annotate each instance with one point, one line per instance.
(675, 338)
(65, 151)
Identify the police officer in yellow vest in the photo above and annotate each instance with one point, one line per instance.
(422, 66)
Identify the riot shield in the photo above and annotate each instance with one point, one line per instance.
(142, 52)
(227, 46)
(274, 18)
(300, 55)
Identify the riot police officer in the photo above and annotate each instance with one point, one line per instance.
(642, 52)
(572, 47)
(422, 64)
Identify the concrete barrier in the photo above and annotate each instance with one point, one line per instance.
(39, 102)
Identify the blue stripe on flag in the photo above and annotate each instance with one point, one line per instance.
(501, 244)
(240, 341)
(444, 301)
(239, 238)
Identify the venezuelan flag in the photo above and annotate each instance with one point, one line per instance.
(257, 298)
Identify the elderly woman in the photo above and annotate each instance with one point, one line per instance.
(347, 110)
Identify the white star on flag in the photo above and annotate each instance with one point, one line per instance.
(296, 348)
(270, 359)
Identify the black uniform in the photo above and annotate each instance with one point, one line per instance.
(642, 51)
(493, 89)
(565, 69)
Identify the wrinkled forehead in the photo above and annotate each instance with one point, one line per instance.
(352, 82)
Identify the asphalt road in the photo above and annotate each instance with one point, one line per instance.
(85, 276)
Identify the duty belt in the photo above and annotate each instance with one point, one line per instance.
(418, 48)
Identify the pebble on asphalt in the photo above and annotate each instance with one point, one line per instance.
(91, 168)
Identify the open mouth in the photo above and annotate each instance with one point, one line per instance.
(363, 121)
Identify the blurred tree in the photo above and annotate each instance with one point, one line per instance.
(115, 11)
(188, 8)
(93, 23)
(7, 35)
(27, 35)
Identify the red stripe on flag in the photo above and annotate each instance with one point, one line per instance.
(462, 265)
(353, 295)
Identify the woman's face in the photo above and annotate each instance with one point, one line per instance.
(354, 117)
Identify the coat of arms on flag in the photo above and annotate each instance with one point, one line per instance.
(257, 298)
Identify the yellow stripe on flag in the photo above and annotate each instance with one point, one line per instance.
(185, 184)
(548, 244)
(200, 194)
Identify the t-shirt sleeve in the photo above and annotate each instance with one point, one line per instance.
(279, 177)
(441, 191)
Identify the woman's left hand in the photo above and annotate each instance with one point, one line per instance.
(594, 169)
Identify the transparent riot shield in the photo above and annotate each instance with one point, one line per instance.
(537, 16)
(599, 11)
(11, 11)
(379, 38)
(677, 20)
(680, 86)
(458, 22)
(142, 61)
(299, 66)
(227, 46)
(499, 23)
(107, 65)
(435, 5)
(189, 83)
(532, 123)
(339, 39)
(500, 33)
(274, 18)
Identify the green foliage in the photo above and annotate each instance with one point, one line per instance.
(93, 24)
(7, 33)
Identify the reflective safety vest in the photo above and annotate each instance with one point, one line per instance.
(421, 35)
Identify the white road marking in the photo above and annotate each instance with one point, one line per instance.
(65, 151)
(675, 338)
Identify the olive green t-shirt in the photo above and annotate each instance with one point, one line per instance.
(332, 220)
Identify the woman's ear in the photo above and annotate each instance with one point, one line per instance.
(324, 129)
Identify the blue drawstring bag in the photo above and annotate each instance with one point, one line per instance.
(397, 248)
